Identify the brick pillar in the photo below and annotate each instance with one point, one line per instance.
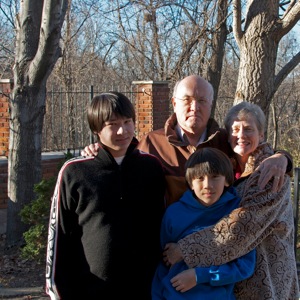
(152, 105)
(6, 86)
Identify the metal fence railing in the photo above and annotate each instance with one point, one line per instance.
(65, 122)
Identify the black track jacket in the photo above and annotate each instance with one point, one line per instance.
(104, 227)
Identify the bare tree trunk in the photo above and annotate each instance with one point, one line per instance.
(27, 113)
(258, 45)
(258, 52)
(37, 50)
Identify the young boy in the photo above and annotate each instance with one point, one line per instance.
(105, 209)
(210, 196)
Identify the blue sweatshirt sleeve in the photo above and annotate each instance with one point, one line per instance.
(230, 273)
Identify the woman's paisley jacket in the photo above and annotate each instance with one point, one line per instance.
(263, 221)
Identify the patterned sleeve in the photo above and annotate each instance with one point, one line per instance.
(242, 230)
(51, 288)
(62, 221)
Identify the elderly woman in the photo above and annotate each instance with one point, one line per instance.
(263, 221)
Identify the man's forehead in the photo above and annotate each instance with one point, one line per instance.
(195, 92)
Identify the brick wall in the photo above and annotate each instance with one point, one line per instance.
(5, 88)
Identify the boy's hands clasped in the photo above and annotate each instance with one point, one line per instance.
(184, 281)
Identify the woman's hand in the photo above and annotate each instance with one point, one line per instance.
(172, 254)
(273, 167)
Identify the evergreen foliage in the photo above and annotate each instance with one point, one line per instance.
(36, 214)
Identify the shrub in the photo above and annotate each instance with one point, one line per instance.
(36, 214)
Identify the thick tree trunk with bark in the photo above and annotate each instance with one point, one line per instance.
(258, 44)
(27, 112)
(258, 52)
(37, 50)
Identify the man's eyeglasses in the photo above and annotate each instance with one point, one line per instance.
(189, 100)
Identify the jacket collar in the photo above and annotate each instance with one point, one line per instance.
(175, 138)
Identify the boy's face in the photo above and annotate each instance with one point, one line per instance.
(209, 188)
(117, 134)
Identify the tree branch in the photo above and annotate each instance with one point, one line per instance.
(50, 33)
(27, 36)
(286, 70)
(289, 20)
(237, 21)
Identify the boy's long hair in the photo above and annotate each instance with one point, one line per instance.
(208, 161)
(103, 106)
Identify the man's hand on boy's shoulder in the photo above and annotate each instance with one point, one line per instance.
(90, 150)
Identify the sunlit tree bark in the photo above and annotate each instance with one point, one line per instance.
(258, 42)
(38, 26)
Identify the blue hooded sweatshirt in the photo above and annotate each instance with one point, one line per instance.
(186, 216)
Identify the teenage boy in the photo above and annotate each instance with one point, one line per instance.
(106, 213)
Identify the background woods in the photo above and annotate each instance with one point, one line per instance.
(248, 50)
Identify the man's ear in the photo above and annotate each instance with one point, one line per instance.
(173, 101)
(226, 184)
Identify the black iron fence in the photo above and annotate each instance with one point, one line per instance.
(65, 122)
